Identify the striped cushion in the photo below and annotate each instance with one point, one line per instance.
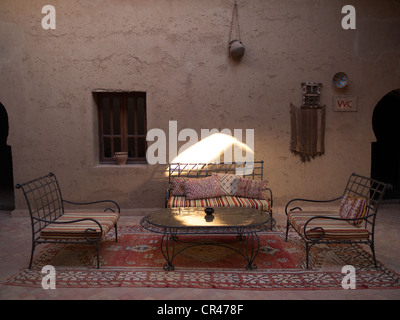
(224, 201)
(353, 208)
(76, 230)
(334, 229)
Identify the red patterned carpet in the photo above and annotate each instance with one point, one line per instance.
(136, 261)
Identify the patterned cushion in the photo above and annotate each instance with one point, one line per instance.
(178, 186)
(228, 182)
(334, 229)
(76, 230)
(203, 188)
(254, 189)
(224, 201)
(352, 208)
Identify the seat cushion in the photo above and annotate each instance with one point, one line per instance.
(224, 201)
(334, 229)
(76, 230)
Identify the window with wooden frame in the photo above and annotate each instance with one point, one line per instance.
(122, 125)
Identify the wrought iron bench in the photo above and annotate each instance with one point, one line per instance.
(179, 173)
(51, 224)
(353, 222)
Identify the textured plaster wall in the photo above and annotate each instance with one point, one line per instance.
(176, 51)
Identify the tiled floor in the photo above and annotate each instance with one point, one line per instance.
(15, 245)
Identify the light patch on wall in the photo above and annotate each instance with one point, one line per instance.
(210, 149)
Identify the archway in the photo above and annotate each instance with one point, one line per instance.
(385, 162)
(6, 169)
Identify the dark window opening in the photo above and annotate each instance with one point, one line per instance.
(122, 125)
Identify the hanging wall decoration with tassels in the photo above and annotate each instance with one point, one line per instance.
(308, 124)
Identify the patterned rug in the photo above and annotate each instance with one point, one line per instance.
(136, 261)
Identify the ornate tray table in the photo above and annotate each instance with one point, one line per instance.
(176, 223)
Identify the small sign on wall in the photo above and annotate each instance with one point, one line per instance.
(345, 103)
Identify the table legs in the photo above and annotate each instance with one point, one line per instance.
(169, 251)
(249, 253)
(252, 247)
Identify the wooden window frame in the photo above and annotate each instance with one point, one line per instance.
(123, 135)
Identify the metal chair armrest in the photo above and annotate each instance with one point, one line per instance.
(95, 202)
(271, 199)
(307, 200)
(167, 196)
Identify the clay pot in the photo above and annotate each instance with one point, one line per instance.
(236, 49)
(121, 157)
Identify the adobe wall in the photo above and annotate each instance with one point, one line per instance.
(176, 51)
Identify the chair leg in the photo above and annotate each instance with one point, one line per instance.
(287, 230)
(32, 251)
(373, 254)
(116, 232)
(307, 252)
(271, 220)
(98, 254)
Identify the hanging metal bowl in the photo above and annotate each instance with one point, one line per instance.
(340, 80)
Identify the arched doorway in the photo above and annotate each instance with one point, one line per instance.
(6, 170)
(385, 162)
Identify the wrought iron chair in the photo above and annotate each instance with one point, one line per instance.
(51, 224)
(354, 222)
